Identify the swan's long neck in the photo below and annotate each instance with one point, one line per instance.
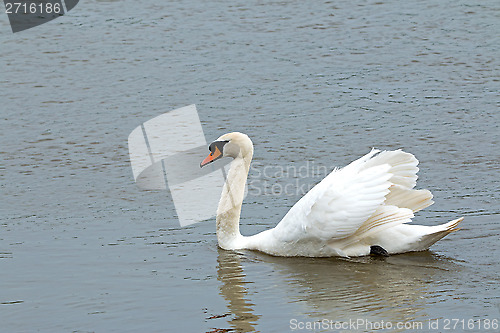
(229, 209)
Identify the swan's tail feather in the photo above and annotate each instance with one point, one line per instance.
(437, 233)
(452, 225)
(449, 227)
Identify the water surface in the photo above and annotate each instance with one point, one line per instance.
(83, 249)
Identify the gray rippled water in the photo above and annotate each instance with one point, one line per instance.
(83, 249)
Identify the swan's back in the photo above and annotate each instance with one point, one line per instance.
(352, 208)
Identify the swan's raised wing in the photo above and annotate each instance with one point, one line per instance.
(338, 206)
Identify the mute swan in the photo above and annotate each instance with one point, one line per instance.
(358, 210)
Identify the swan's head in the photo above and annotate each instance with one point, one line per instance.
(233, 145)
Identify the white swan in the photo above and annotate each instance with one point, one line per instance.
(358, 210)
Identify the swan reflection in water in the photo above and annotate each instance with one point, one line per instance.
(393, 289)
(234, 291)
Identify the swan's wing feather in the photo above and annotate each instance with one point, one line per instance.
(337, 206)
(403, 167)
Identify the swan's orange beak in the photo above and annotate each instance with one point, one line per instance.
(216, 154)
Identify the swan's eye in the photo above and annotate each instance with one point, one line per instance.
(216, 151)
(214, 144)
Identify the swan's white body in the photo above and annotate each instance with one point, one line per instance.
(369, 202)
